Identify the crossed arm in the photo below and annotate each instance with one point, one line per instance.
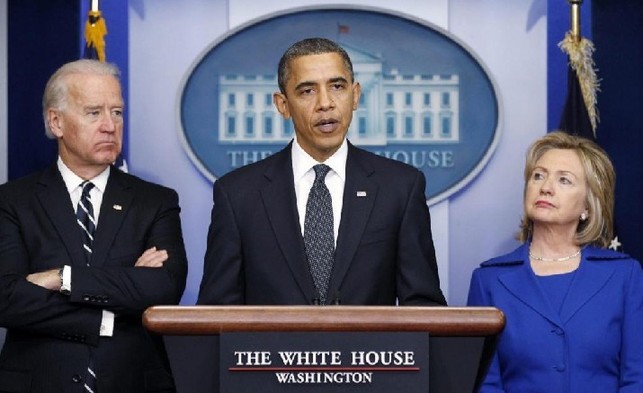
(50, 279)
(30, 260)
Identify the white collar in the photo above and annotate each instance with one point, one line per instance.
(72, 180)
(302, 162)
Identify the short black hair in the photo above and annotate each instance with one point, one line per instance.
(306, 47)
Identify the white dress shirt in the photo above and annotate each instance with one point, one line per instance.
(304, 177)
(73, 183)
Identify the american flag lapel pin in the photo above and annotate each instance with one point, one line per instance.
(117, 207)
(361, 194)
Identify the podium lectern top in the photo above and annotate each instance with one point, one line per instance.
(212, 320)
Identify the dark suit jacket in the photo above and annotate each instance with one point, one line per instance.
(50, 336)
(593, 344)
(384, 250)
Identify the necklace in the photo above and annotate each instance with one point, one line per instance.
(562, 259)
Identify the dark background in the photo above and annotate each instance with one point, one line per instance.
(618, 36)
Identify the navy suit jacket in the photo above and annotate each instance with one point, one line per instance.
(595, 343)
(50, 336)
(384, 250)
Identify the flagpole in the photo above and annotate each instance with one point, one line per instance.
(575, 18)
(94, 5)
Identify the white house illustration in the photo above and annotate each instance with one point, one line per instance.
(394, 108)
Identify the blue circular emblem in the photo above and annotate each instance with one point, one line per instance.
(425, 101)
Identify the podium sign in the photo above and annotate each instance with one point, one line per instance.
(329, 362)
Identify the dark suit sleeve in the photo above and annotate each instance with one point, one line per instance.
(417, 278)
(222, 281)
(27, 306)
(29, 243)
(120, 287)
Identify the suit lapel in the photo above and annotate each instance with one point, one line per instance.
(522, 283)
(590, 278)
(279, 200)
(55, 201)
(116, 202)
(359, 196)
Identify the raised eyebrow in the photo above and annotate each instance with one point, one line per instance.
(339, 79)
(567, 173)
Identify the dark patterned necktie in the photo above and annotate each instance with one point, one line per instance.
(87, 222)
(86, 219)
(318, 232)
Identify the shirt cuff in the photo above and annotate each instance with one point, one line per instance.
(107, 324)
(65, 282)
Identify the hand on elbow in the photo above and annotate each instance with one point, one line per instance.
(49, 279)
(152, 258)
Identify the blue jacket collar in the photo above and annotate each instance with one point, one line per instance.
(520, 256)
(522, 283)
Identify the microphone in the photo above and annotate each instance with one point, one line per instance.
(337, 300)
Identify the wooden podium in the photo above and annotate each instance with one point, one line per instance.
(461, 344)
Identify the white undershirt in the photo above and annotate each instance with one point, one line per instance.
(304, 176)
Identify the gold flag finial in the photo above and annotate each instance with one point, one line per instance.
(95, 31)
(580, 54)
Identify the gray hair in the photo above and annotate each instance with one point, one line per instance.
(57, 88)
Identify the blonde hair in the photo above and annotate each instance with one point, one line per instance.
(597, 229)
(57, 88)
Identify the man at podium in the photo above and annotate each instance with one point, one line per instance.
(321, 221)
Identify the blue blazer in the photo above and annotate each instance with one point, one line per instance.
(594, 345)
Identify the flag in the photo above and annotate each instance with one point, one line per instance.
(580, 114)
(342, 29)
(95, 31)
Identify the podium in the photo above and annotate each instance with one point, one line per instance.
(462, 340)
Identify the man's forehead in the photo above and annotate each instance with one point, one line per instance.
(322, 68)
(81, 86)
(316, 58)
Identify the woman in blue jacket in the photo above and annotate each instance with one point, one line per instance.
(574, 309)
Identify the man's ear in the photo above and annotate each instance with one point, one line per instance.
(357, 92)
(281, 103)
(54, 120)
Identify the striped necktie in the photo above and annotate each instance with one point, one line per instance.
(86, 219)
(87, 223)
(90, 379)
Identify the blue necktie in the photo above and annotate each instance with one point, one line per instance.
(85, 218)
(87, 223)
(318, 232)
(90, 379)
